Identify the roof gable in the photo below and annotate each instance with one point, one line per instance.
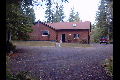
(39, 22)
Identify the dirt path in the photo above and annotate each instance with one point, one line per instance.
(54, 63)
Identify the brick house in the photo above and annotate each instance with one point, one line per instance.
(65, 31)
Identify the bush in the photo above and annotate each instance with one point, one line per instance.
(97, 32)
(83, 41)
(10, 47)
(109, 66)
(23, 75)
(10, 76)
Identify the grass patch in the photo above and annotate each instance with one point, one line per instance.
(48, 43)
(33, 43)
(75, 45)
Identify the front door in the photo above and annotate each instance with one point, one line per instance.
(63, 37)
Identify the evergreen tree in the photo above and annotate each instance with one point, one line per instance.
(49, 12)
(104, 20)
(77, 18)
(110, 18)
(28, 10)
(74, 16)
(59, 14)
(18, 23)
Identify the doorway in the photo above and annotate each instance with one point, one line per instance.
(63, 37)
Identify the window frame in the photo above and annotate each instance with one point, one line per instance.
(44, 34)
(76, 36)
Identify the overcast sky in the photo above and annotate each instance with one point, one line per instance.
(86, 8)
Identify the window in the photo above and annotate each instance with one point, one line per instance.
(45, 33)
(76, 35)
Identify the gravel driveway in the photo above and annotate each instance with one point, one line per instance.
(60, 63)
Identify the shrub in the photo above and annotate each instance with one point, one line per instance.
(10, 76)
(109, 66)
(83, 41)
(10, 47)
(24, 75)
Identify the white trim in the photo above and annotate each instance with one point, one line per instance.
(44, 35)
(76, 37)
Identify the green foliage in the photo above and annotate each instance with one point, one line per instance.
(102, 15)
(97, 33)
(54, 14)
(59, 14)
(19, 20)
(71, 17)
(49, 12)
(28, 11)
(10, 76)
(104, 21)
(74, 16)
(109, 66)
(77, 18)
(10, 47)
(23, 75)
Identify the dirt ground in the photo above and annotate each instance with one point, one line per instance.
(63, 63)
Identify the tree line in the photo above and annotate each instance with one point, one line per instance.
(104, 21)
(56, 13)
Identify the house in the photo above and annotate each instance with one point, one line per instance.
(65, 31)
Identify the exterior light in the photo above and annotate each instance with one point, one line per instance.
(70, 34)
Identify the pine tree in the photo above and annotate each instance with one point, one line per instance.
(28, 10)
(49, 12)
(104, 20)
(74, 16)
(59, 14)
(77, 18)
(18, 22)
(109, 10)
(102, 17)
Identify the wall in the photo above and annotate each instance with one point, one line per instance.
(37, 33)
(56, 35)
(83, 35)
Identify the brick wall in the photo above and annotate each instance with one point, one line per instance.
(56, 34)
(37, 33)
(83, 35)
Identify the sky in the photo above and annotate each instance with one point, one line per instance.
(86, 9)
